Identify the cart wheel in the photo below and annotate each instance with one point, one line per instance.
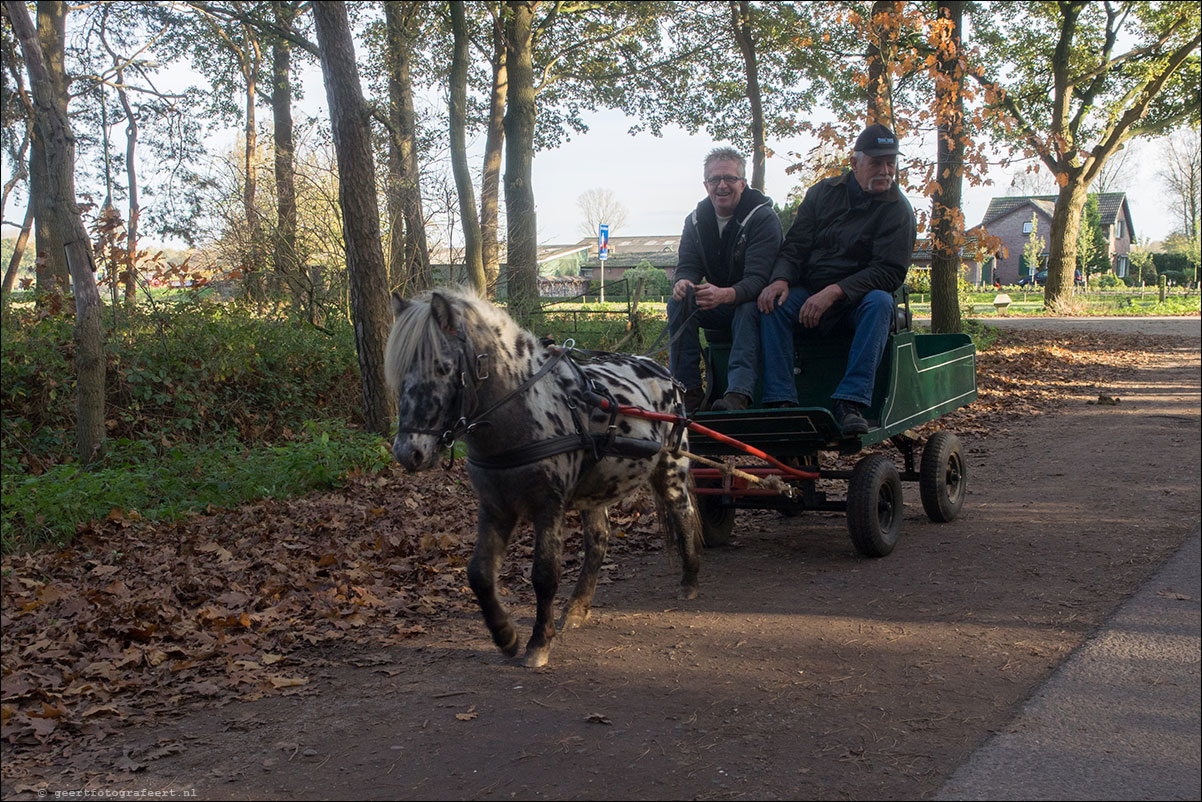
(943, 477)
(717, 521)
(874, 506)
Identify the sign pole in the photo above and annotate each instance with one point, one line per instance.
(603, 254)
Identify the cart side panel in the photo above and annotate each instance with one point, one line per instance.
(933, 374)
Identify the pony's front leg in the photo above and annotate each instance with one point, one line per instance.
(548, 550)
(596, 541)
(492, 536)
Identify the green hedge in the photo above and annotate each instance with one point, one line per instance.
(184, 374)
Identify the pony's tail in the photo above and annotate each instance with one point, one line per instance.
(674, 525)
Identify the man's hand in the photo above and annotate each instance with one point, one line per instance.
(773, 296)
(680, 289)
(817, 304)
(708, 296)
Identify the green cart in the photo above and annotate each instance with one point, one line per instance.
(921, 377)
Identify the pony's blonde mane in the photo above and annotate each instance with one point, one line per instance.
(414, 339)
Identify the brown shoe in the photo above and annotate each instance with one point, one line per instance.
(731, 402)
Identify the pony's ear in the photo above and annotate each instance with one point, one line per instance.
(398, 305)
(443, 314)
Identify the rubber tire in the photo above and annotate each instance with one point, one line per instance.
(874, 506)
(943, 477)
(717, 521)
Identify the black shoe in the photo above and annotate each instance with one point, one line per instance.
(847, 415)
(731, 401)
(780, 404)
(693, 399)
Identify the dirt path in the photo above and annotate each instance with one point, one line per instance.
(802, 671)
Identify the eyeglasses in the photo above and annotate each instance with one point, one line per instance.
(716, 180)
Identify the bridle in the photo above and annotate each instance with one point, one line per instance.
(473, 370)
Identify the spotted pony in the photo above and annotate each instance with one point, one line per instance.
(543, 436)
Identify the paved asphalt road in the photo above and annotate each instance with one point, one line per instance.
(1120, 719)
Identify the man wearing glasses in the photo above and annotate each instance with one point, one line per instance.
(846, 253)
(727, 250)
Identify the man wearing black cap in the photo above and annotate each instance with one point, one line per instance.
(846, 253)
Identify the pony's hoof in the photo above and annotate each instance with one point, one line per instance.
(573, 620)
(510, 649)
(687, 592)
(537, 658)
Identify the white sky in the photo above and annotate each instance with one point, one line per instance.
(658, 180)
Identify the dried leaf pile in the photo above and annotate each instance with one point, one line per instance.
(136, 621)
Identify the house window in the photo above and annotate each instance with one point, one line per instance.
(1027, 227)
(1118, 229)
(1120, 266)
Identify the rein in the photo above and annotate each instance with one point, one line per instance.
(470, 380)
(473, 369)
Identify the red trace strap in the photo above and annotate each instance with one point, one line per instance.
(668, 417)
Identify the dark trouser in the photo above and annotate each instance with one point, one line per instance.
(870, 319)
(743, 323)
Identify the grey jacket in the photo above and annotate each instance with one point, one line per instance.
(742, 257)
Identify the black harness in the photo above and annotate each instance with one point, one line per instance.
(473, 370)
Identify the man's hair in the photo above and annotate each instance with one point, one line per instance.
(725, 154)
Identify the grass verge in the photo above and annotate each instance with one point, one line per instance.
(134, 484)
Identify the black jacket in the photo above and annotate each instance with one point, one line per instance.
(742, 258)
(861, 248)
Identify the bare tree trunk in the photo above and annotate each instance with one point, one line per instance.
(20, 173)
(1062, 250)
(947, 218)
(59, 144)
(463, 178)
(53, 274)
(360, 213)
(882, 52)
(287, 262)
(131, 171)
(254, 267)
(740, 13)
(414, 270)
(10, 274)
(522, 261)
(397, 272)
(494, 141)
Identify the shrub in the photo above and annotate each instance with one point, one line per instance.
(186, 374)
(919, 281)
(655, 280)
(1106, 281)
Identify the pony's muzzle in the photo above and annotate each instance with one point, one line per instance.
(415, 453)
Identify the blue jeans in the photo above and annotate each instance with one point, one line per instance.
(870, 319)
(743, 323)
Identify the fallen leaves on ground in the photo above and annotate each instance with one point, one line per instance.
(135, 620)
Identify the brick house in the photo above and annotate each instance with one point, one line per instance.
(923, 256)
(1009, 219)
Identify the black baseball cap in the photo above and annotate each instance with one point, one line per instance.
(877, 140)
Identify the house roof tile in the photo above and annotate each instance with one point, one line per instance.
(1110, 204)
